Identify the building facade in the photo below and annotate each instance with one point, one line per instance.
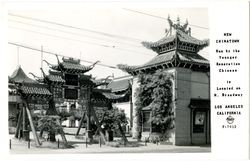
(66, 87)
(122, 86)
(177, 54)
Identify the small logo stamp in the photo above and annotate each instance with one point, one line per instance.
(230, 119)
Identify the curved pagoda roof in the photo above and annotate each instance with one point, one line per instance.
(183, 39)
(18, 76)
(105, 95)
(177, 49)
(55, 77)
(71, 65)
(119, 85)
(27, 86)
(35, 89)
(177, 37)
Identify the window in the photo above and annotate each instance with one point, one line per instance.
(145, 120)
(71, 93)
(199, 121)
(71, 79)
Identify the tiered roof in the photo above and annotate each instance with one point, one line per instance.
(179, 36)
(104, 95)
(85, 80)
(71, 65)
(18, 76)
(177, 49)
(35, 89)
(119, 85)
(102, 81)
(27, 86)
(55, 77)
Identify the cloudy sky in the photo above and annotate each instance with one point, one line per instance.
(109, 34)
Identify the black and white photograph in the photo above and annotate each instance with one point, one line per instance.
(124, 80)
(109, 80)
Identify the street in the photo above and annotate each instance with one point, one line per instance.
(78, 146)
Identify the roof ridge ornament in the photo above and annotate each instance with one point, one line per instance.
(93, 65)
(178, 26)
(35, 77)
(71, 60)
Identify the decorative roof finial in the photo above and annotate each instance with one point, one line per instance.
(170, 22)
(184, 27)
(178, 20)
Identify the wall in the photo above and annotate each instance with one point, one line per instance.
(135, 129)
(189, 85)
(182, 112)
(200, 89)
(200, 85)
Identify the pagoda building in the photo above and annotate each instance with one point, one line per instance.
(21, 87)
(122, 86)
(26, 98)
(177, 54)
(74, 91)
(66, 86)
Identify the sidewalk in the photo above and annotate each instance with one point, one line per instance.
(79, 147)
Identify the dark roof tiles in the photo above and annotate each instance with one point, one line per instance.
(183, 37)
(119, 85)
(56, 78)
(19, 76)
(112, 96)
(165, 58)
(34, 90)
(78, 67)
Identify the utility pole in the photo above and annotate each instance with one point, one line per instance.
(88, 111)
(18, 56)
(41, 60)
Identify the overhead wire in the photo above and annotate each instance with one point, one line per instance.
(84, 29)
(74, 27)
(82, 41)
(61, 55)
(73, 33)
(151, 15)
(93, 31)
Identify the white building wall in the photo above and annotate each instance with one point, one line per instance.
(200, 85)
(182, 112)
(190, 85)
(135, 129)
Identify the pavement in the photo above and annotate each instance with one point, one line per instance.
(78, 146)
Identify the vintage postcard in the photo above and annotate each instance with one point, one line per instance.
(151, 80)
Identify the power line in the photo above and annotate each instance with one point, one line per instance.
(88, 42)
(73, 33)
(143, 13)
(74, 27)
(51, 53)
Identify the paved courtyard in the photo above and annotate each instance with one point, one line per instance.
(78, 146)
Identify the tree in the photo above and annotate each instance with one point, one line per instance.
(155, 92)
(113, 119)
(51, 125)
(50, 122)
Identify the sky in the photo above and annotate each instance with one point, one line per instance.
(112, 35)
